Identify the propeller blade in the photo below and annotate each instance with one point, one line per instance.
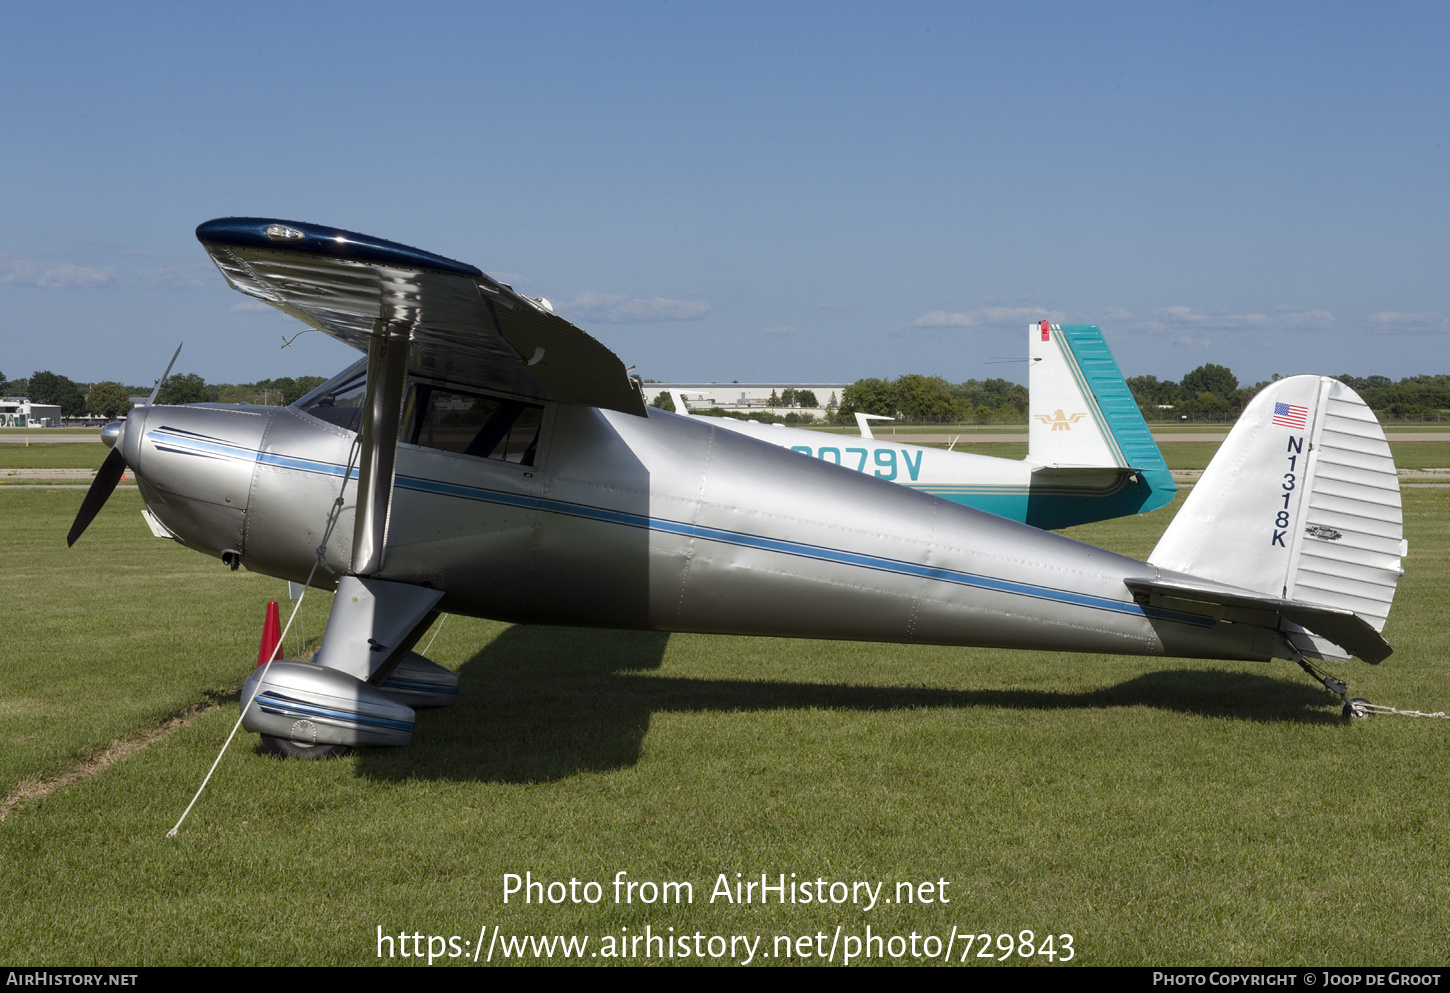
(157, 388)
(106, 479)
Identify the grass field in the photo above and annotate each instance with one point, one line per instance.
(56, 455)
(41, 432)
(1159, 811)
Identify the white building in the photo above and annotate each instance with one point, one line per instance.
(753, 397)
(19, 412)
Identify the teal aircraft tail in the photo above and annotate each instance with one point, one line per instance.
(1093, 456)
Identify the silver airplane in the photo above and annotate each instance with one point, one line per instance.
(1090, 456)
(489, 458)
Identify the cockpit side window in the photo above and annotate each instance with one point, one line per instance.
(473, 424)
(339, 400)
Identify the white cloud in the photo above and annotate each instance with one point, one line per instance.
(1182, 319)
(609, 308)
(186, 276)
(942, 319)
(993, 317)
(28, 272)
(1296, 320)
(1014, 316)
(1391, 322)
(1187, 316)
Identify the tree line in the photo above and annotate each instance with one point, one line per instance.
(911, 397)
(1214, 390)
(111, 399)
(1209, 392)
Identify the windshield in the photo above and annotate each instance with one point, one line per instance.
(339, 400)
(445, 418)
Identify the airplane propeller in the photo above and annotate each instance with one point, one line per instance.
(106, 479)
(110, 473)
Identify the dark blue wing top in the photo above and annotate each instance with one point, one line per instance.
(464, 327)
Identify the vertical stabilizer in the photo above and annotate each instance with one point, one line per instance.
(1082, 412)
(1084, 421)
(1302, 501)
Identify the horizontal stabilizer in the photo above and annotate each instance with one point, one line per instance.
(1342, 627)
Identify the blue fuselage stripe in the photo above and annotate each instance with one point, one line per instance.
(664, 525)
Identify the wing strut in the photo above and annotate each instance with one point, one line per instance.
(382, 419)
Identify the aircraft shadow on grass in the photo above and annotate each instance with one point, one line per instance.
(539, 704)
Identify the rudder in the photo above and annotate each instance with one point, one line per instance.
(1301, 502)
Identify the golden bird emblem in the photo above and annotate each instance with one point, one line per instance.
(1059, 420)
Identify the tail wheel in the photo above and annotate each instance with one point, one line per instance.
(1358, 707)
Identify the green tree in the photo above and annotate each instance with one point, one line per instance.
(990, 399)
(190, 388)
(47, 387)
(806, 398)
(921, 397)
(109, 399)
(1210, 378)
(1212, 403)
(1152, 391)
(285, 390)
(867, 396)
(665, 402)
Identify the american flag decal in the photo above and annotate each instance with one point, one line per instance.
(1290, 415)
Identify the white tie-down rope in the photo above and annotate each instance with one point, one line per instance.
(439, 627)
(321, 556)
(1383, 708)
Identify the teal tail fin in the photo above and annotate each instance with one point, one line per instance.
(1085, 424)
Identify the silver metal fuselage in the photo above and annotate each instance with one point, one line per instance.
(662, 522)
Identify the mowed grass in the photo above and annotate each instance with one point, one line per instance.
(1160, 811)
(117, 633)
(39, 432)
(55, 455)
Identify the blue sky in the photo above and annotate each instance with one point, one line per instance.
(753, 192)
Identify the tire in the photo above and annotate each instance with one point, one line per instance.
(1353, 709)
(286, 748)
